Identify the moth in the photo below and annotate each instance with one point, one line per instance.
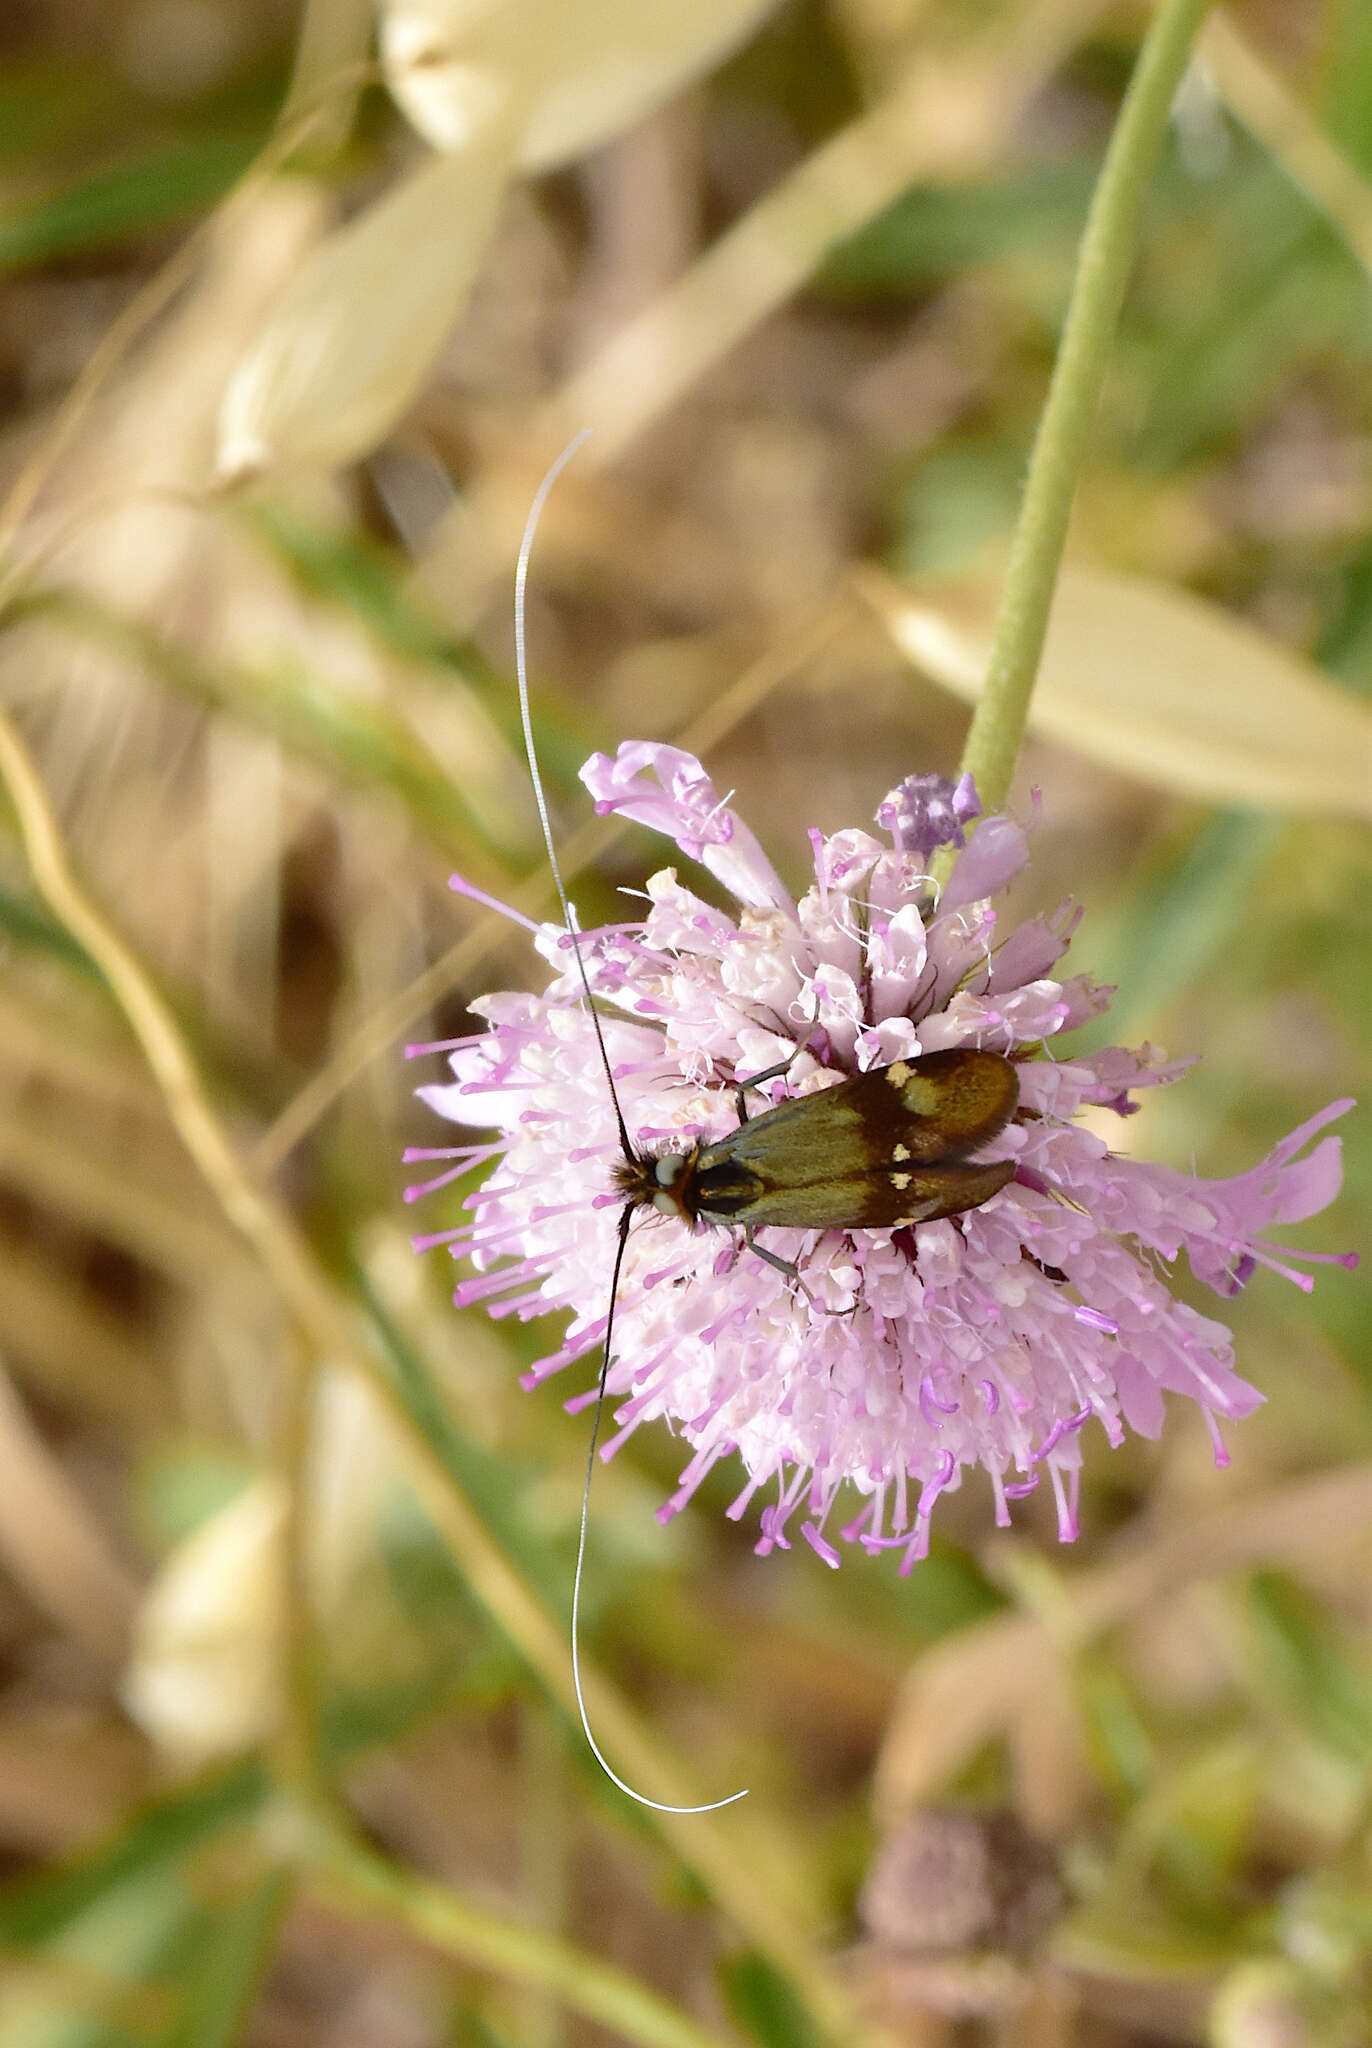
(878, 1151)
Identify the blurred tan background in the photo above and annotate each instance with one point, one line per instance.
(285, 1554)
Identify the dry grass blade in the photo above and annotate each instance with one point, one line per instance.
(358, 1881)
(356, 330)
(330, 57)
(578, 77)
(47, 1042)
(155, 1219)
(133, 322)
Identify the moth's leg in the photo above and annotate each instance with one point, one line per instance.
(771, 1073)
(773, 1259)
(768, 1074)
(756, 1081)
(792, 1272)
(780, 1265)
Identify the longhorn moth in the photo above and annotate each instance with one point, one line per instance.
(882, 1149)
(941, 1311)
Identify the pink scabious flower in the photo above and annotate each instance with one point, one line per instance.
(857, 1393)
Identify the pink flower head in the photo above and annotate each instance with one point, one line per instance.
(897, 1359)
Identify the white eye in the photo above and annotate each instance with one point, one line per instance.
(667, 1171)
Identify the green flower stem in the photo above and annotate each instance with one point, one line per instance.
(354, 1879)
(1103, 263)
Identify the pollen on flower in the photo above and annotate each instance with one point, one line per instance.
(859, 1387)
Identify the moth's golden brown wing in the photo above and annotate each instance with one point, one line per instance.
(882, 1198)
(952, 1101)
(883, 1149)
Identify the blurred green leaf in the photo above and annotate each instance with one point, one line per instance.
(129, 1934)
(961, 497)
(763, 2004)
(472, 2028)
(1345, 647)
(1121, 1746)
(937, 230)
(1348, 76)
(45, 104)
(232, 1952)
(127, 1911)
(1173, 919)
(464, 1659)
(182, 1485)
(353, 1719)
(44, 2024)
(1316, 1675)
(171, 185)
(1209, 1806)
(950, 1591)
(26, 923)
(39, 1908)
(352, 570)
(1251, 286)
(484, 1477)
(1125, 1934)
(361, 743)
(1170, 1897)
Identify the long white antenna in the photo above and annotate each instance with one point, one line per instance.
(535, 774)
(531, 753)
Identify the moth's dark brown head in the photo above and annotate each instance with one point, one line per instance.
(660, 1181)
